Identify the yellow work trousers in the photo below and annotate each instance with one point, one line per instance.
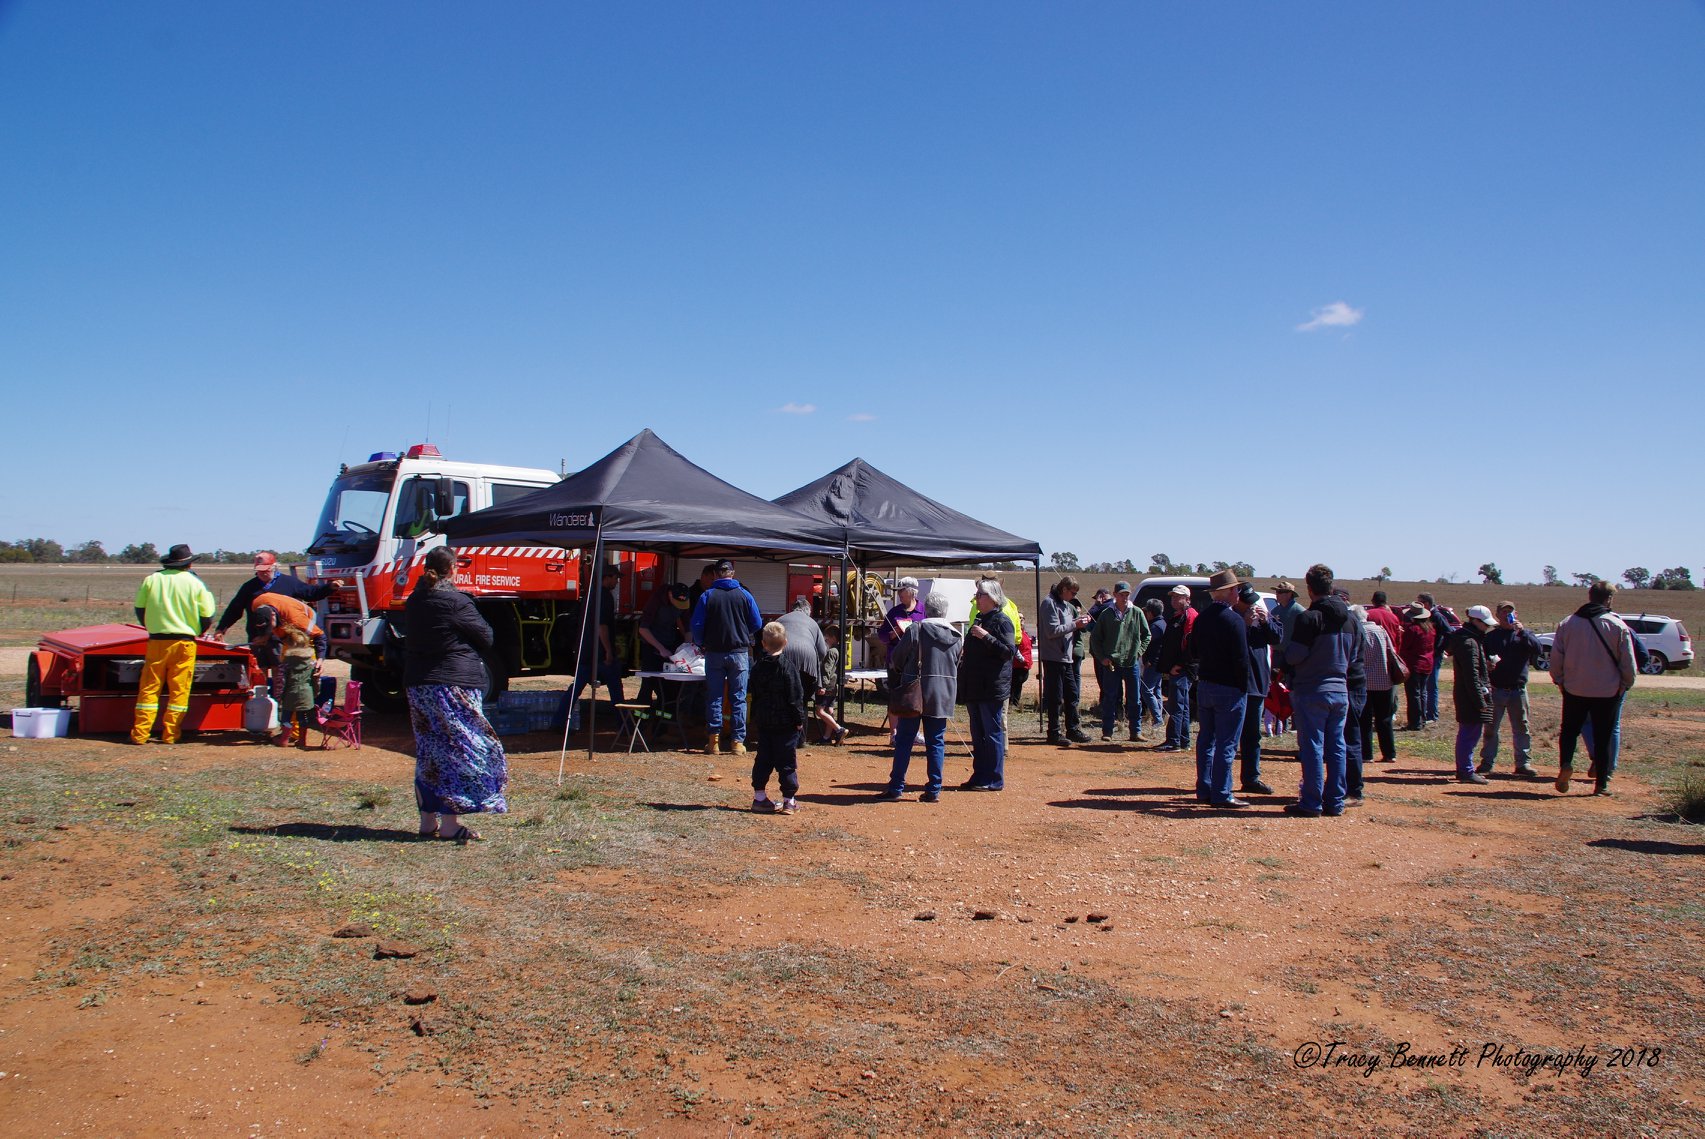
(168, 663)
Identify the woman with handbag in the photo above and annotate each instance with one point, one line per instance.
(985, 683)
(923, 677)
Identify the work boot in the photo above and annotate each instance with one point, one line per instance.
(1057, 740)
(738, 747)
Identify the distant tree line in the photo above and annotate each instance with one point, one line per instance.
(1066, 562)
(49, 552)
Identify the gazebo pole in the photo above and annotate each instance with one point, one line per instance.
(568, 718)
(846, 646)
(597, 623)
(1035, 650)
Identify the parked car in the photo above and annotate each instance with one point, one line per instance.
(1161, 587)
(1660, 643)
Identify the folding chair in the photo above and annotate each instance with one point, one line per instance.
(633, 724)
(344, 721)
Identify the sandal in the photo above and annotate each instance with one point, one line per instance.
(463, 836)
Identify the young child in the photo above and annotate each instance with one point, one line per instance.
(296, 701)
(829, 731)
(775, 702)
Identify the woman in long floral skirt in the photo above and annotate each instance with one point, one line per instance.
(460, 768)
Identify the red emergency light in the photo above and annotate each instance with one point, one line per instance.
(423, 451)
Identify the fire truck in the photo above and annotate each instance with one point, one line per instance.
(379, 520)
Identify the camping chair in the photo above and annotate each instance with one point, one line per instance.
(344, 722)
(633, 718)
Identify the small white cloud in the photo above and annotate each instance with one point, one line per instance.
(791, 408)
(862, 417)
(1338, 314)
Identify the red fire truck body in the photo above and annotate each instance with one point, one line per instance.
(382, 516)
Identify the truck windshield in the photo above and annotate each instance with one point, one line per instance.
(353, 514)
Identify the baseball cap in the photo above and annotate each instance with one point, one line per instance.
(1283, 586)
(1121, 587)
(1180, 590)
(266, 558)
(1481, 613)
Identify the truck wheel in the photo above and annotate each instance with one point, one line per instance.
(380, 687)
(33, 697)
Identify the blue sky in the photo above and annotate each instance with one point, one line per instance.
(1408, 285)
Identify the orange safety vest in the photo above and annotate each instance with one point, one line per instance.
(290, 610)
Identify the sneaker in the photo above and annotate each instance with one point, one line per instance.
(1352, 800)
(1106, 737)
(764, 806)
(890, 795)
(1257, 787)
(789, 806)
(1563, 776)
(1471, 777)
(930, 797)
(1528, 773)
(1055, 739)
(1605, 791)
(840, 734)
(1078, 736)
(738, 747)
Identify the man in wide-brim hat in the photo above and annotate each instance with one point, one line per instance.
(175, 606)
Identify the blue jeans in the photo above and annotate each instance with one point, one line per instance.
(1511, 702)
(1121, 691)
(1467, 738)
(1178, 710)
(988, 743)
(935, 750)
(1149, 693)
(1102, 684)
(1355, 747)
(729, 669)
(1432, 707)
(1221, 709)
(609, 675)
(1319, 720)
(1249, 746)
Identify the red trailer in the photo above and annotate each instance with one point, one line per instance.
(99, 667)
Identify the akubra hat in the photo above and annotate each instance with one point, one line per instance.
(178, 557)
(1223, 579)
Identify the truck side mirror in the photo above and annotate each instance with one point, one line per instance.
(444, 497)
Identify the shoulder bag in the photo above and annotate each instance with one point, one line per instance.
(907, 701)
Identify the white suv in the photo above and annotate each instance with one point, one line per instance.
(1665, 640)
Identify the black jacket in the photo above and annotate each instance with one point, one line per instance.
(446, 638)
(1515, 650)
(1472, 688)
(775, 699)
(1219, 644)
(985, 667)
